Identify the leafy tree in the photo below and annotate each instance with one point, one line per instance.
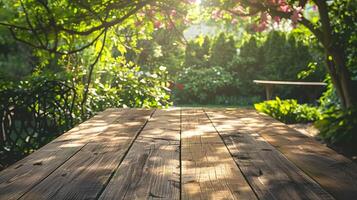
(162, 50)
(223, 51)
(289, 64)
(261, 58)
(197, 53)
(248, 66)
(62, 31)
(205, 48)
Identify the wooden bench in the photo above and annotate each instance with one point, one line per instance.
(270, 84)
(181, 153)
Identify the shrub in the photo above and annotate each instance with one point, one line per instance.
(129, 87)
(338, 126)
(202, 85)
(289, 111)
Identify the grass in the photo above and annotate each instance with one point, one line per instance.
(213, 106)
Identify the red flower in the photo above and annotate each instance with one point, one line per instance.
(180, 86)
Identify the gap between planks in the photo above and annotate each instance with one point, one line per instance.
(19, 178)
(208, 170)
(270, 174)
(332, 171)
(151, 169)
(85, 174)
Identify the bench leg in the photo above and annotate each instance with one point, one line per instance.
(269, 91)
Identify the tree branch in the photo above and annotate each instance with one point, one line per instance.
(91, 68)
(107, 24)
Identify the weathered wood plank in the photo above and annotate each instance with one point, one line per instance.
(164, 125)
(269, 173)
(23, 175)
(335, 173)
(208, 170)
(199, 128)
(85, 174)
(151, 169)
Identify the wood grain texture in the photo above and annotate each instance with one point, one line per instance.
(112, 156)
(164, 125)
(208, 170)
(334, 172)
(151, 169)
(269, 173)
(85, 174)
(23, 175)
(198, 128)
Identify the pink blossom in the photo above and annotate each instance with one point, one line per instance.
(297, 15)
(284, 7)
(173, 13)
(260, 27)
(238, 9)
(277, 19)
(216, 14)
(157, 24)
(234, 21)
(170, 25)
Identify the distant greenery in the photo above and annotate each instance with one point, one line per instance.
(289, 111)
(202, 85)
(222, 69)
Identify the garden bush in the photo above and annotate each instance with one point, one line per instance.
(338, 126)
(289, 111)
(202, 85)
(129, 87)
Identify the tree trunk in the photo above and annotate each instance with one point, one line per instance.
(341, 78)
(331, 68)
(335, 56)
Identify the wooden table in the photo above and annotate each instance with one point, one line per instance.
(270, 84)
(188, 153)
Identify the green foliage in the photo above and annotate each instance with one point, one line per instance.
(16, 59)
(71, 26)
(247, 66)
(223, 51)
(196, 54)
(128, 87)
(163, 49)
(344, 22)
(338, 126)
(260, 57)
(284, 56)
(329, 100)
(280, 56)
(289, 111)
(202, 85)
